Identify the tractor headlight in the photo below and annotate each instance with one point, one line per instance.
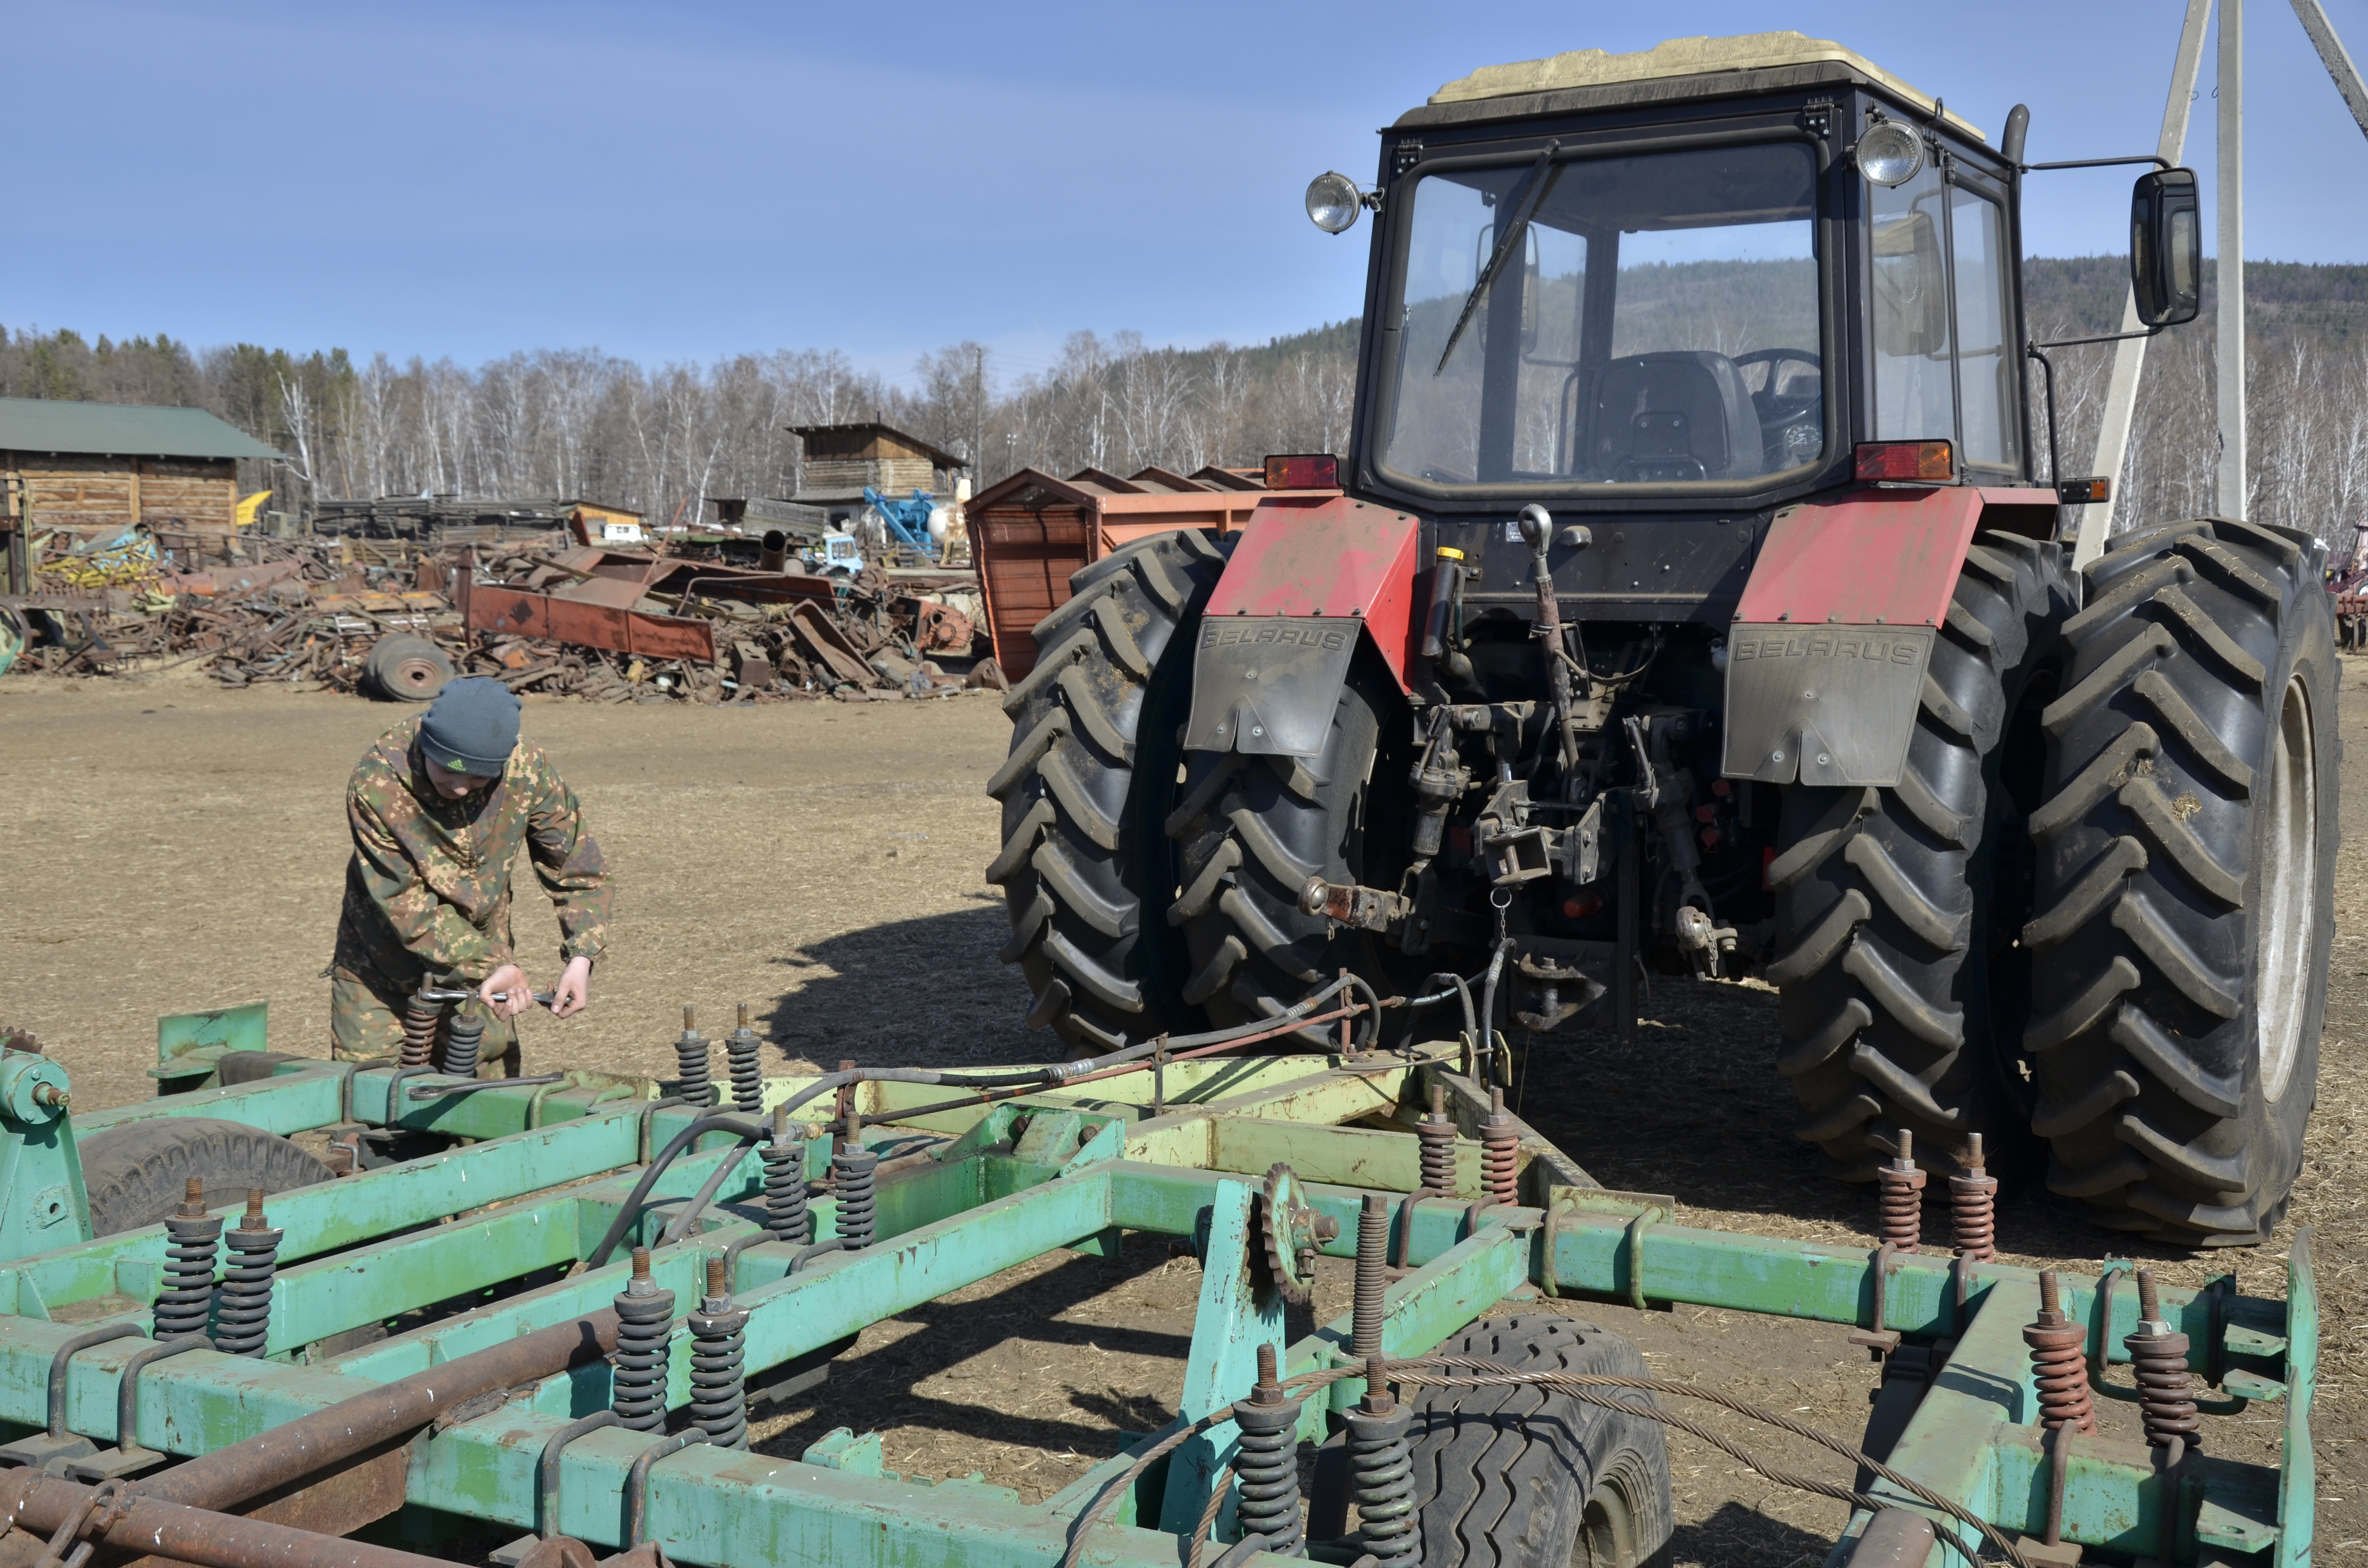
(1332, 202)
(1889, 154)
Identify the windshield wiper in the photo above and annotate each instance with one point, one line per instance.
(1507, 244)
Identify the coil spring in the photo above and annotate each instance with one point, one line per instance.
(1899, 1197)
(2057, 1365)
(1266, 1463)
(1436, 1139)
(786, 1216)
(1972, 1215)
(855, 1174)
(645, 1320)
(242, 1306)
(719, 1388)
(690, 1061)
(1381, 1480)
(465, 1040)
(419, 1021)
(745, 1054)
(187, 1299)
(1500, 1147)
(2166, 1399)
(1373, 1277)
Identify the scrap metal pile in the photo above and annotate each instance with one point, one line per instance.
(546, 613)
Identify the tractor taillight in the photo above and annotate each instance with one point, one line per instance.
(1303, 471)
(1910, 462)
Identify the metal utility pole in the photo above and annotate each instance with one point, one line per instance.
(2230, 327)
(2129, 354)
(2313, 17)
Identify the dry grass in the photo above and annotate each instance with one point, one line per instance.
(170, 846)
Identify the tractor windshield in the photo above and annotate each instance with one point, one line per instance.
(1654, 321)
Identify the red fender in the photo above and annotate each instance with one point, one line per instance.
(1334, 558)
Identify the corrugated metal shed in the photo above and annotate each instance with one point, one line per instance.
(55, 424)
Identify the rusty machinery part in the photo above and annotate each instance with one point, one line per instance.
(1265, 1463)
(1435, 1134)
(787, 1218)
(242, 1306)
(855, 1173)
(1373, 1279)
(421, 1020)
(2158, 1357)
(690, 1055)
(745, 1054)
(1973, 1207)
(1290, 1234)
(1381, 1473)
(1899, 1196)
(1095, 746)
(13, 1038)
(464, 1041)
(1500, 1152)
(718, 1335)
(2185, 877)
(2057, 1366)
(186, 1300)
(1894, 976)
(406, 669)
(645, 1317)
(1252, 832)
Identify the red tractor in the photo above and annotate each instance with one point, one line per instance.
(1700, 602)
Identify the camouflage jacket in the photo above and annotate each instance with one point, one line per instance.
(430, 878)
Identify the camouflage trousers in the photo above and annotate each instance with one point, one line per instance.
(366, 1008)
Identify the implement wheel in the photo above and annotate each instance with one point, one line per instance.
(1518, 1477)
(136, 1174)
(1095, 742)
(1898, 909)
(2186, 873)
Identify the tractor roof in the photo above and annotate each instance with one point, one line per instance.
(1586, 68)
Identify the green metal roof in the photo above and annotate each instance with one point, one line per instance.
(54, 424)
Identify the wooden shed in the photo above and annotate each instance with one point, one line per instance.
(842, 458)
(94, 465)
(1031, 532)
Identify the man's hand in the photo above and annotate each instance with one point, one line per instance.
(574, 993)
(510, 979)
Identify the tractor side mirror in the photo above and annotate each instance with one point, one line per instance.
(2167, 248)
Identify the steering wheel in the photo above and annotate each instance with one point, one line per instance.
(1772, 358)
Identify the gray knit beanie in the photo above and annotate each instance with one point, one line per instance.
(472, 727)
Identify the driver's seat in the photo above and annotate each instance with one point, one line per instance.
(1670, 417)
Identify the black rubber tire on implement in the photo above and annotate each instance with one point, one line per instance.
(138, 1174)
(1095, 737)
(404, 668)
(1904, 999)
(1253, 829)
(1518, 1477)
(2186, 876)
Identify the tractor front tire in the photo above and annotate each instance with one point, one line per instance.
(1902, 1000)
(1095, 742)
(2185, 881)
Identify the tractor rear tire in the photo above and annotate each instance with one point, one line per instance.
(1904, 1000)
(1520, 1477)
(1252, 830)
(2186, 877)
(1096, 735)
(137, 1174)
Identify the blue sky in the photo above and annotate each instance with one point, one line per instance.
(682, 181)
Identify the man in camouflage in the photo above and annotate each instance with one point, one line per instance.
(438, 809)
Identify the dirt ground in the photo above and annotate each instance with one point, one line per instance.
(169, 845)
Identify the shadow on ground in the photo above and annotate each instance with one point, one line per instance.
(930, 992)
